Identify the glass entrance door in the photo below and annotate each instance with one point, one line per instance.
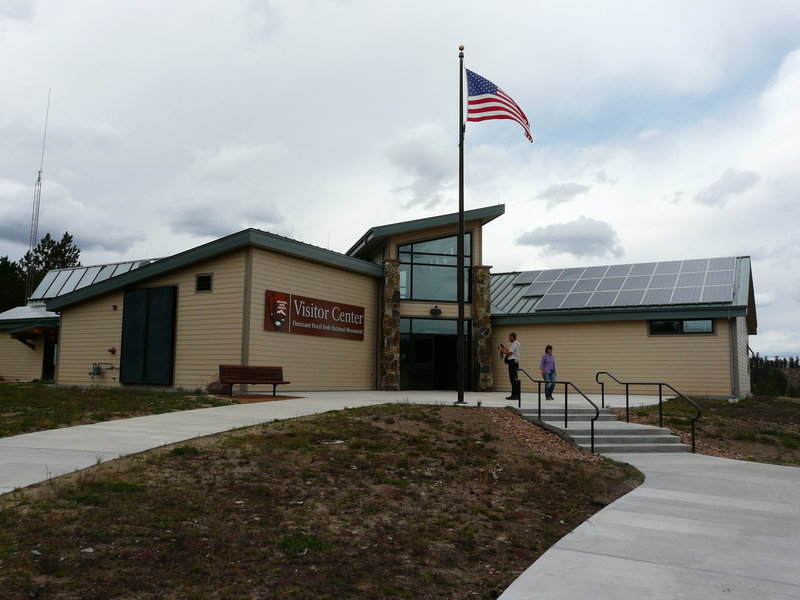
(428, 354)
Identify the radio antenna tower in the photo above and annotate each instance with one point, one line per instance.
(37, 198)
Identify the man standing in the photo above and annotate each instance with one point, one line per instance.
(511, 357)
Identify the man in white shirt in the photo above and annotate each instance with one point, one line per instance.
(511, 356)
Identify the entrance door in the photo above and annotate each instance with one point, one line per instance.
(428, 357)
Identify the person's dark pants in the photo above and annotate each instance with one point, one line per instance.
(513, 376)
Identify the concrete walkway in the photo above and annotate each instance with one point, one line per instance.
(698, 528)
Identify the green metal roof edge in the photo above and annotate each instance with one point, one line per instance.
(375, 234)
(241, 239)
(619, 314)
(18, 325)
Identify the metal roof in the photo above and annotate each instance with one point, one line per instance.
(377, 235)
(242, 239)
(657, 289)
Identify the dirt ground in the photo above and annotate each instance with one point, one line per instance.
(392, 501)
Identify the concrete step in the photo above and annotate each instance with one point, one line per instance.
(642, 448)
(611, 436)
(558, 415)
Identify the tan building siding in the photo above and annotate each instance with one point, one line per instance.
(694, 365)
(208, 327)
(18, 361)
(209, 324)
(312, 362)
(743, 356)
(87, 332)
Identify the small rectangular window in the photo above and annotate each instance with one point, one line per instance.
(203, 282)
(687, 326)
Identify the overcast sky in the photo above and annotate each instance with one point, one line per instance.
(663, 130)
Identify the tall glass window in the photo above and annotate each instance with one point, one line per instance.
(428, 269)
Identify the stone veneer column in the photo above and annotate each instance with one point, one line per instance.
(482, 329)
(390, 327)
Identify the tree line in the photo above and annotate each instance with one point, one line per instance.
(768, 376)
(49, 254)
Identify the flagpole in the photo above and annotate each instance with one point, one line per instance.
(460, 244)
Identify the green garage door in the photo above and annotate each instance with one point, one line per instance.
(148, 336)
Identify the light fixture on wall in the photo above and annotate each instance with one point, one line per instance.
(436, 311)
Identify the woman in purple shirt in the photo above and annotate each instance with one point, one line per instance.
(548, 368)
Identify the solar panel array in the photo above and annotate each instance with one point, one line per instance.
(700, 281)
(62, 281)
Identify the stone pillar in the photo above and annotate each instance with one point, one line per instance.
(390, 327)
(482, 329)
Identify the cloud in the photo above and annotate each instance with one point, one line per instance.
(562, 192)
(731, 183)
(424, 156)
(21, 10)
(583, 237)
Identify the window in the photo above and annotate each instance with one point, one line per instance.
(428, 269)
(681, 326)
(203, 282)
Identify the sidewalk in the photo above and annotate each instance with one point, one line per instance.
(35, 457)
(699, 527)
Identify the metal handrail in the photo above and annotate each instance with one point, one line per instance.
(566, 385)
(660, 385)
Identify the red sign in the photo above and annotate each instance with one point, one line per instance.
(290, 313)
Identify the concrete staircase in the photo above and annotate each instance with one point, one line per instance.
(611, 436)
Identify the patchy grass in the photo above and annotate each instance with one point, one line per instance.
(27, 407)
(392, 501)
(760, 428)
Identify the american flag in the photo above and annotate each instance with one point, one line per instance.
(487, 101)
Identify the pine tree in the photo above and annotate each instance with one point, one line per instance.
(12, 284)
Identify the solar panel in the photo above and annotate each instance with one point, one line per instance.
(690, 279)
(592, 272)
(602, 299)
(610, 283)
(672, 266)
(549, 275)
(576, 300)
(663, 281)
(73, 280)
(618, 270)
(562, 287)
(526, 277)
(636, 283)
(572, 273)
(717, 293)
(642, 284)
(41, 289)
(550, 301)
(586, 285)
(687, 295)
(722, 264)
(719, 277)
(629, 298)
(656, 297)
(539, 288)
(88, 277)
(643, 269)
(690, 266)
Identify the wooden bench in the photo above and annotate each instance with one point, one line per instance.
(256, 375)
